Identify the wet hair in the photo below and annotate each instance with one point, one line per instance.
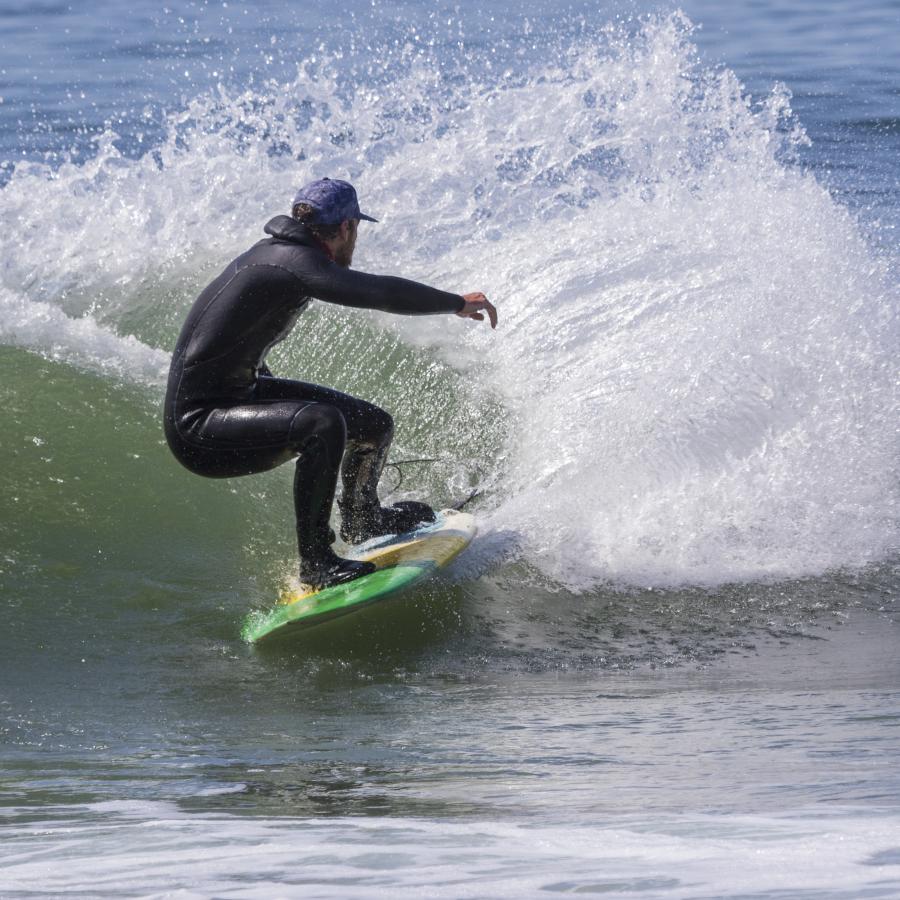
(306, 214)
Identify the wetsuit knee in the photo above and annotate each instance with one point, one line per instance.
(384, 422)
(376, 430)
(323, 425)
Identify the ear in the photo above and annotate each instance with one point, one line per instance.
(346, 228)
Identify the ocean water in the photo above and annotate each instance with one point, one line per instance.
(668, 667)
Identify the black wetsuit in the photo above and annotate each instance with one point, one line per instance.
(225, 415)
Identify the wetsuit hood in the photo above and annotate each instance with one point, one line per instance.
(284, 228)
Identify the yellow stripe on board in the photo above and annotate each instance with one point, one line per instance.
(438, 547)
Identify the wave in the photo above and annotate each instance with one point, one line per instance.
(694, 360)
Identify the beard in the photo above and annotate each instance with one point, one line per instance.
(343, 256)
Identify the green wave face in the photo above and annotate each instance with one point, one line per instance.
(102, 531)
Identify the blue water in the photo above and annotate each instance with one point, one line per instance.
(67, 74)
(668, 666)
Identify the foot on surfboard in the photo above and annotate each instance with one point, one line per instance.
(332, 570)
(357, 527)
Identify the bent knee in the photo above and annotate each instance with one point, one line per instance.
(321, 421)
(383, 423)
(377, 427)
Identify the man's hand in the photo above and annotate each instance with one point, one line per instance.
(475, 303)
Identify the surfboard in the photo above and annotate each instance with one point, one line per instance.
(402, 561)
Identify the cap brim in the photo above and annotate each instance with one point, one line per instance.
(367, 218)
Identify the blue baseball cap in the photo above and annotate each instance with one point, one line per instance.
(334, 201)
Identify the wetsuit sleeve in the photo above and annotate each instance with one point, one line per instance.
(387, 293)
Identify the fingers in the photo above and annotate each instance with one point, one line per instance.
(475, 303)
(488, 307)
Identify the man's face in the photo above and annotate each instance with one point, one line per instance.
(343, 253)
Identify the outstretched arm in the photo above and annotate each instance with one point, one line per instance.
(336, 284)
(347, 287)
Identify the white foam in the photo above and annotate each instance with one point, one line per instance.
(123, 850)
(45, 329)
(699, 363)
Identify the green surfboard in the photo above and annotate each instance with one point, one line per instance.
(402, 560)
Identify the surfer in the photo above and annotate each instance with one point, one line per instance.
(226, 414)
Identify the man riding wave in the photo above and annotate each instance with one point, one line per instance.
(227, 415)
